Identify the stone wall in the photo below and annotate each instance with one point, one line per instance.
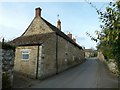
(111, 64)
(0, 68)
(101, 56)
(37, 26)
(69, 55)
(55, 57)
(0, 65)
(7, 68)
(26, 67)
(87, 54)
(47, 60)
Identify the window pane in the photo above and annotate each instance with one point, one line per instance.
(25, 56)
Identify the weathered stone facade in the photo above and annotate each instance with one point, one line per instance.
(26, 67)
(47, 58)
(38, 26)
(54, 56)
(68, 54)
(0, 65)
(50, 50)
(90, 53)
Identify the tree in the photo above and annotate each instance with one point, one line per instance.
(109, 36)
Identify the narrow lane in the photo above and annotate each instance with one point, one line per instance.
(90, 74)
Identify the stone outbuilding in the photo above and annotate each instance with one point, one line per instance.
(44, 50)
(90, 53)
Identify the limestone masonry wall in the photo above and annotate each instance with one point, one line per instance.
(57, 55)
(26, 67)
(38, 26)
(111, 64)
(68, 54)
(47, 60)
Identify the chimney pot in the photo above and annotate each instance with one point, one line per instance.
(74, 39)
(38, 12)
(69, 35)
(59, 24)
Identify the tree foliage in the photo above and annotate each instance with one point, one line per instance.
(109, 36)
(6, 45)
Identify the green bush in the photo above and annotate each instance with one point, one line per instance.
(6, 82)
(8, 46)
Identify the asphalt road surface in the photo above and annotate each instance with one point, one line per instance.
(90, 74)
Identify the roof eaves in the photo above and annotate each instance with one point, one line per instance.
(60, 33)
(33, 44)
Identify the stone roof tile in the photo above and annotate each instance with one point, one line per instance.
(31, 40)
(60, 33)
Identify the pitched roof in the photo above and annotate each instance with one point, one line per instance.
(60, 33)
(39, 38)
(31, 40)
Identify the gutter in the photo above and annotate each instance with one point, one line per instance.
(37, 63)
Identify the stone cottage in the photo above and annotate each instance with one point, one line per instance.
(44, 50)
(90, 53)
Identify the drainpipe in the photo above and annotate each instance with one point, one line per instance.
(56, 54)
(37, 63)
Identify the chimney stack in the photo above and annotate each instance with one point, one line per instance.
(69, 35)
(59, 24)
(38, 12)
(74, 40)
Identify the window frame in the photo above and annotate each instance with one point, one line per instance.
(25, 52)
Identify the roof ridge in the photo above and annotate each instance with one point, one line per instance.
(49, 23)
(59, 32)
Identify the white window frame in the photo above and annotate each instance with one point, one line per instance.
(25, 52)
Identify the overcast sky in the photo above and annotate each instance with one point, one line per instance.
(76, 18)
